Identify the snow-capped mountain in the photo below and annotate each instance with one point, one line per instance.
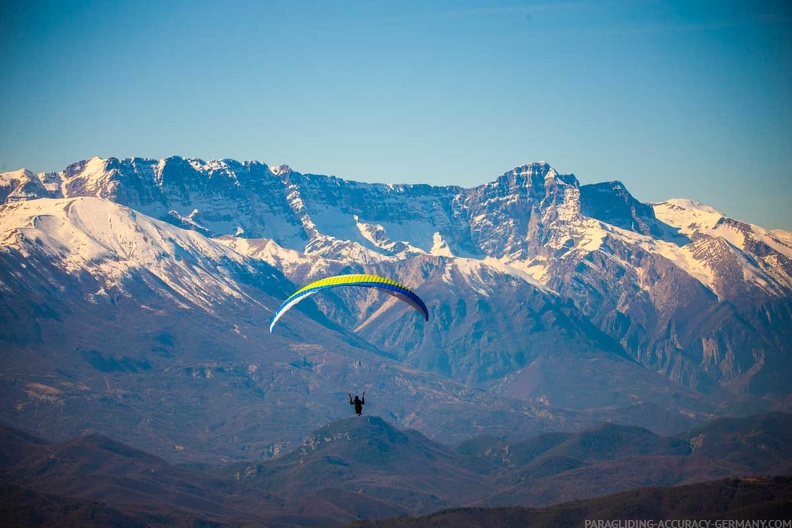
(113, 320)
(566, 303)
(524, 218)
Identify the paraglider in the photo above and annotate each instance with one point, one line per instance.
(390, 287)
(358, 403)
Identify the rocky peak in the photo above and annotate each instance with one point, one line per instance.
(612, 203)
(531, 181)
(280, 170)
(22, 185)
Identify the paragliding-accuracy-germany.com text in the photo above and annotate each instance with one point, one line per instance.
(688, 523)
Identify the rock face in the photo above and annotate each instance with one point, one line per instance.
(564, 303)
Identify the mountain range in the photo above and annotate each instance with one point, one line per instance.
(740, 500)
(136, 296)
(366, 468)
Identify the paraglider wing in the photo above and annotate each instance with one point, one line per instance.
(399, 291)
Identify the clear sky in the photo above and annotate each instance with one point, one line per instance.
(676, 99)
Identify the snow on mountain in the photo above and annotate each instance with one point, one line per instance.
(153, 333)
(107, 241)
(681, 288)
(784, 236)
(694, 218)
(25, 185)
(528, 218)
(757, 256)
(688, 215)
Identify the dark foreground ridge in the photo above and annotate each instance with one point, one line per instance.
(364, 468)
(751, 498)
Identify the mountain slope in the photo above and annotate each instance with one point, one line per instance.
(683, 289)
(613, 458)
(763, 442)
(366, 468)
(371, 458)
(93, 480)
(128, 281)
(748, 499)
(116, 322)
(24, 508)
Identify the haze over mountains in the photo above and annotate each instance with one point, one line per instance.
(365, 468)
(136, 296)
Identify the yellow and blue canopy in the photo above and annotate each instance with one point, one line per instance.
(390, 287)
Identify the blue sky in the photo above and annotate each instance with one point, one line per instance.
(676, 99)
